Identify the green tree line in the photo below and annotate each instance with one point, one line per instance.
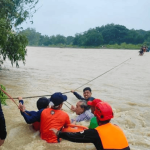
(107, 35)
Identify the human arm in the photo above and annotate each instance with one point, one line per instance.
(32, 117)
(78, 96)
(3, 132)
(29, 116)
(86, 136)
(23, 109)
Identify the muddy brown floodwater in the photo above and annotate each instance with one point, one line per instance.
(49, 70)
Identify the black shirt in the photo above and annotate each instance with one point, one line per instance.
(86, 136)
(3, 132)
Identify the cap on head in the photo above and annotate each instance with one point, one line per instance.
(103, 111)
(94, 102)
(42, 103)
(57, 99)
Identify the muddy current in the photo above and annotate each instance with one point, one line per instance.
(49, 70)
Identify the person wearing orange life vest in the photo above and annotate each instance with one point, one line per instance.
(53, 117)
(105, 137)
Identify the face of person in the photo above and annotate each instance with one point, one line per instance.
(79, 110)
(92, 109)
(87, 94)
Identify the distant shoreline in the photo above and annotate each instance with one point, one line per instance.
(84, 47)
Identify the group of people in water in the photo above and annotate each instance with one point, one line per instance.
(50, 120)
(143, 49)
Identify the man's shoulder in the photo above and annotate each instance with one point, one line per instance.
(89, 114)
(91, 98)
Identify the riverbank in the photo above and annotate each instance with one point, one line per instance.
(122, 46)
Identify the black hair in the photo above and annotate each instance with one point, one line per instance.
(87, 88)
(42, 103)
(104, 122)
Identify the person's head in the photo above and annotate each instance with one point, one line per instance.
(93, 104)
(42, 103)
(81, 107)
(103, 112)
(56, 100)
(87, 92)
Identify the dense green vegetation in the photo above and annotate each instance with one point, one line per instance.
(108, 36)
(3, 97)
(12, 14)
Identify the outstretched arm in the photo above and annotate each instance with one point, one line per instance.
(86, 136)
(29, 116)
(78, 96)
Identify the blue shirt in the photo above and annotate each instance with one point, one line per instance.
(33, 116)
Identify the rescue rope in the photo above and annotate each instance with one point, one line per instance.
(102, 74)
(68, 91)
(8, 96)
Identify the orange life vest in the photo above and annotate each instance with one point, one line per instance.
(112, 137)
(51, 118)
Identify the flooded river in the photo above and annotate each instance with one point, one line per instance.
(49, 70)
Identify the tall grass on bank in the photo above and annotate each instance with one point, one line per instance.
(124, 46)
(3, 97)
(109, 46)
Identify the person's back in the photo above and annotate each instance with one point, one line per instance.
(112, 137)
(52, 118)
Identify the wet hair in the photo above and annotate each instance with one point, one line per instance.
(83, 104)
(87, 88)
(42, 103)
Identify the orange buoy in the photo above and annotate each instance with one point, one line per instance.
(74, 128)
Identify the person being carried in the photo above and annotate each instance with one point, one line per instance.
(33, 117)
(83, 112)
(3, 132)
(87, 93)
(93, 122)
(53, 117)
(106, 136)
